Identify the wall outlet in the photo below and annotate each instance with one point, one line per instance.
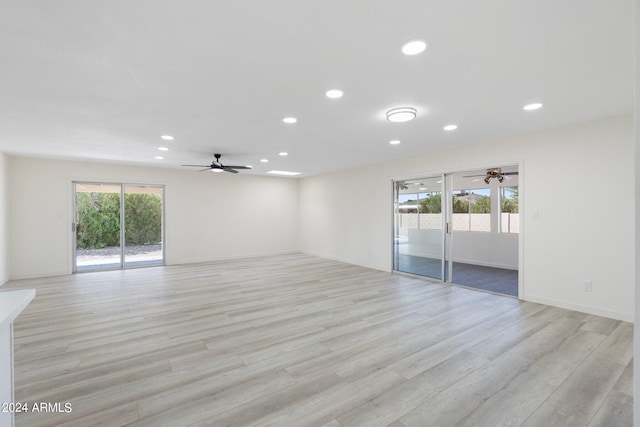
(586, 285)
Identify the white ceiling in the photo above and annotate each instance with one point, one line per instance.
(103, 80)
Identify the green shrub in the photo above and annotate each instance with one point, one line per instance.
(143, 219)
(98, 219)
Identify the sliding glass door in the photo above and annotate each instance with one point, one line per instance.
(117, 225)
(419, 236)
(477, 210)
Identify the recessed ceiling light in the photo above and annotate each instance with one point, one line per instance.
(287, 173)
(531, 107)
(334, 93)
(289, 120)
(394, 142)
(264, 160)
(283, 153)
(402, 114)
(422, 188)
(450, 127)
(167, 137)
(414, 47)
(159, 158)
(163, 148)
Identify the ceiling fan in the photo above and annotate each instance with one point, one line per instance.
(493, 173)
(216, 166)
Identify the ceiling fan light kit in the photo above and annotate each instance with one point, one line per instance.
(491, 174)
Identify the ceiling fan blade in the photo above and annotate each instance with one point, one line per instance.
(472, 176)
(216, 166)
(509, 173)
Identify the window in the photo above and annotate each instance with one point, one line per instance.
(408, 210)
(472, 210)
(430, 211)
(420, 210)
(509, 215)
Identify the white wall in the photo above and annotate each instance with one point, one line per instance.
(208, 216)
(490, 249)
(585, 169)
(4, 220)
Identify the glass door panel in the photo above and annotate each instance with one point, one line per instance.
(418, 234)
(143, 234)
(97, 226)
(485, 227)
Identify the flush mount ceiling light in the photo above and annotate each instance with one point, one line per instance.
(334, 93)
(531, 107)
(402, 114)
(286, 173)
(167, 137)
(290, 120)
(394, 142)
(414, 47)
(450, 127)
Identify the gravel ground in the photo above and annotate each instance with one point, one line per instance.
(115, 250)
(111, 255)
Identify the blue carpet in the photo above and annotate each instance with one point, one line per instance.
(492, 279)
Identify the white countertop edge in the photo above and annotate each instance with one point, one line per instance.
(12, 303)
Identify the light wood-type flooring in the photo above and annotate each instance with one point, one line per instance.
(296, 340)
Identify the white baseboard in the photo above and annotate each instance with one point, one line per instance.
(170, 261)
(486, 264)
(39, 275)
(347, 261)
(626, 317)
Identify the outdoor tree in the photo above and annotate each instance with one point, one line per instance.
(459, 205)
(509, 200)
(481, 205)
(431, 204)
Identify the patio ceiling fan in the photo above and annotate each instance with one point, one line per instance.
(491, 174)
(216, 166)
